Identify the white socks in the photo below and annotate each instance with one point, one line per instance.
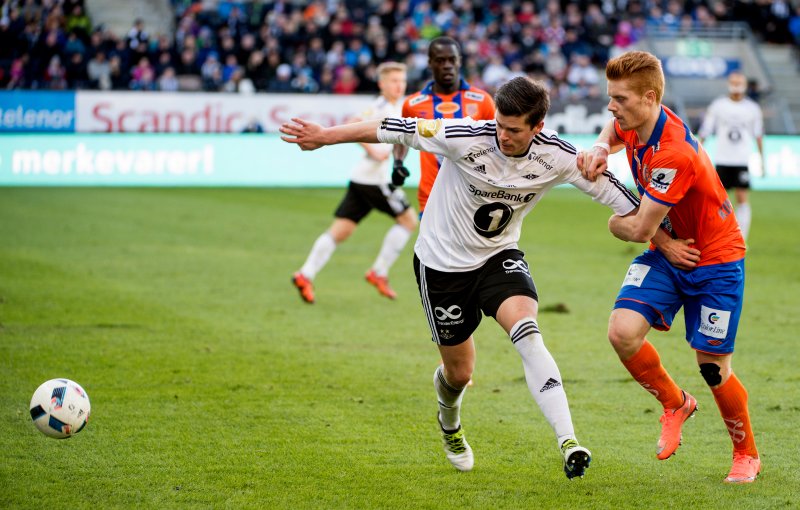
(743, 215)
(543, 377)
(449, 401)
(322, 250)
(393, 243)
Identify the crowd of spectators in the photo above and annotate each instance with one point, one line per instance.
(334, 46)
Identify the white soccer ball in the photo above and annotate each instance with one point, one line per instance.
(60, 408)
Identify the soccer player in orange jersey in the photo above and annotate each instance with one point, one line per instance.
(681, 193)
(448, 96)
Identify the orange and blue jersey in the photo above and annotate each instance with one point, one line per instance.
(673, 169)
(467, 101)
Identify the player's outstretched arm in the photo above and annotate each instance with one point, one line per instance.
(311, 136)
(594, 162)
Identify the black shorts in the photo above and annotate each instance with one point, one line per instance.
(453, 301)
(360, 199)
(734, 176)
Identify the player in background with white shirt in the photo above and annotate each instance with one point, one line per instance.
(736, 120)
(467, 259)
(368, 189)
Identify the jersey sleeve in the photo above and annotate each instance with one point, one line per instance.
(670, 176)
(422, 134)
(606, 189)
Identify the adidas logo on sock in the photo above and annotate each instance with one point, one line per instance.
(549, 385)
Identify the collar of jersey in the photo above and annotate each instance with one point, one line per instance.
(516, 156)
(655, 136)
(428, 90)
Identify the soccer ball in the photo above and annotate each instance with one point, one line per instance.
(60, 408)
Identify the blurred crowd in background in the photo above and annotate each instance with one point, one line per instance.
(334, 46)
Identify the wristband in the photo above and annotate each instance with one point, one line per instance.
(602, 146)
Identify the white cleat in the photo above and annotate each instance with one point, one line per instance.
(457, 449)
(576, 458)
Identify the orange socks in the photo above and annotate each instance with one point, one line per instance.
(645, 366)
(731, 400)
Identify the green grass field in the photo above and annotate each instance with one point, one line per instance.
(213, 385)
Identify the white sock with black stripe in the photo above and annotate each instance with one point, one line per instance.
(543, 377)
(449, 401)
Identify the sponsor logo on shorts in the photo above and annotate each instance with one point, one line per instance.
(446, 334)
(744, 177)
(516, 266)
(538, 159)
(714, 323)
(501, 194)
(453, 313)
(636, 274)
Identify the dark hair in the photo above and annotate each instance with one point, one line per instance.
(523, 96)
(443, 41)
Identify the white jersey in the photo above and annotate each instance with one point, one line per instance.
(372, 171)
(480, 196)
(737, 125)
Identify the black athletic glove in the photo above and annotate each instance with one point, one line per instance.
(399, 173)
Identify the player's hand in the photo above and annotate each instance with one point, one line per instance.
(679, 253)
(399, 173)
(593, 163)
(308, 135)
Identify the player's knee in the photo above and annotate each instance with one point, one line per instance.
(460, 377)
(617, 336)
(458, 373)
(625, 342)
(711, 374)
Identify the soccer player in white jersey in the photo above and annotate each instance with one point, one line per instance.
(467, 259)
(737, 121)
(368, 189)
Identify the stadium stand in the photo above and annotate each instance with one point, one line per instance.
(334, 46)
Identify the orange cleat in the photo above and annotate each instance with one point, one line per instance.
(745, 469)
(671, 423)
(381, 283)
(305, 287)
